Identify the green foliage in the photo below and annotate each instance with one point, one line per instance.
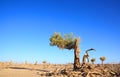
(63, 42)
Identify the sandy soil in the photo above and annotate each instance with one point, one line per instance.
(18, 73)
(58, 70)
(26, 70)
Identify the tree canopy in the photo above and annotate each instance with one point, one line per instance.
(93, 60)
(63, 42)
(103, 58)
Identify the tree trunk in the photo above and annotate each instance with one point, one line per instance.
(76, 55)
(102, 63)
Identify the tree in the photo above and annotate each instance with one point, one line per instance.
(103, 58)
(44, 62)
(69, 42)
(93, 60)
(86, 55)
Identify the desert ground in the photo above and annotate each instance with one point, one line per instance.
(8, 69)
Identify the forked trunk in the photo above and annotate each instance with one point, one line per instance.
(76, 55)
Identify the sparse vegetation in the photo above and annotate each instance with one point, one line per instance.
(60, 70)
(86, 55)
(93, 60)
(103, 58)
(67, 41)
(44, 62)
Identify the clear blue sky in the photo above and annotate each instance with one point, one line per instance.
(26, 26)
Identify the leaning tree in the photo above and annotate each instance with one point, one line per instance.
(69, 42)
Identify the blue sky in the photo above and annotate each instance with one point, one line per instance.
(26, 26)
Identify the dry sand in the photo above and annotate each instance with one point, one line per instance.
(18, 73)
(25, 70)
(58, 70)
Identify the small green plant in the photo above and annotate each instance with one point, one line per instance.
(93, 60)
(103, 58)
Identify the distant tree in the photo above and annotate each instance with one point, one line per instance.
(103, 58)
(93, 60)
(86, 55)
(69, 42)
(44, 62)
(36, 63)
(26, 62)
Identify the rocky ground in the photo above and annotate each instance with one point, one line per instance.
(8, 69)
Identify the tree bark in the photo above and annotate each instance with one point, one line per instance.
(76, 55)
